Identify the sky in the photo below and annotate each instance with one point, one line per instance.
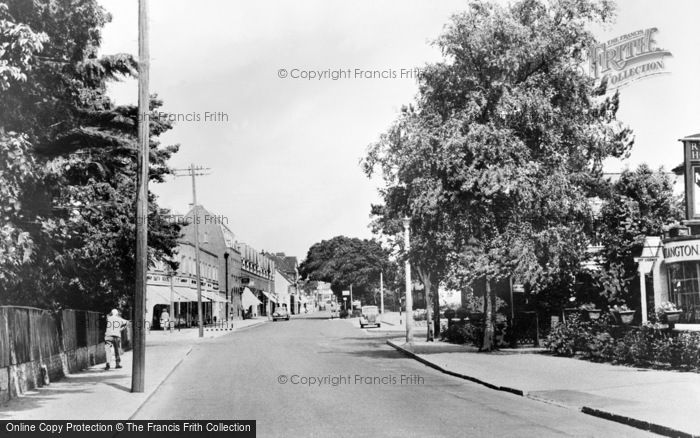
(284, 151)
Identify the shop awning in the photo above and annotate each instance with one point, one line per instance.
(249, 299)
(213, 296)
(270, 297)
(157, 295)
(186, 294)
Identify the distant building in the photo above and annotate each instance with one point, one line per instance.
(236, 279)
(324, 295)
(216, 238)
(258, 280)
(288, 268)
(180, 287)
(283, 285)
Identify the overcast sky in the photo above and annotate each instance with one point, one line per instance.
(284, 167)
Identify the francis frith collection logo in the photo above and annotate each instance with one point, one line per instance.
(627, 58)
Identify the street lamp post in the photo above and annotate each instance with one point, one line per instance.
(409, 297)
(226, 256)
(172, 300)
(269, 289)
(381, 291)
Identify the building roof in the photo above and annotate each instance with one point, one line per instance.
(691, 137)
(285, 264)
(221, 233)
(290, 279)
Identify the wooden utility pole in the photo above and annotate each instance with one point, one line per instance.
(409, 296)
(139, 331)
(194, 172)
(200, 319)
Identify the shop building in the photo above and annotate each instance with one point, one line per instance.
(165, 286)
(287, 281)
(672, 261)
(257, 271)
(216, 238)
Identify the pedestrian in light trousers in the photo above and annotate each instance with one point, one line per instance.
(113, 337)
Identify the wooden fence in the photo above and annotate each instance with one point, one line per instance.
(37, 345)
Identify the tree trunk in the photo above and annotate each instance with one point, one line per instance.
(463, 296)
(487, 344)
(436, 309)
(427, 284)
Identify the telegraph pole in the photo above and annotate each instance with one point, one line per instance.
(194, 171)
(409, 296)
(139, 355)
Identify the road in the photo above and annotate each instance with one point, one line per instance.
(264, 373)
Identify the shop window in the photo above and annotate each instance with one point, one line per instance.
(684, 278)
(696, 191)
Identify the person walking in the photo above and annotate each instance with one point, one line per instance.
(113, 337)
(165, 320)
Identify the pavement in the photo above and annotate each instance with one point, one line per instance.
(97, 394)
(316, 377)
(664, 402)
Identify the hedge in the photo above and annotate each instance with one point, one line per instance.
(645, 346)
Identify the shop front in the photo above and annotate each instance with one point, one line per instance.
(251, 304)
(681, 260)
(181, 305)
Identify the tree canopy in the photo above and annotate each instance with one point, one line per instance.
(639, 204)
(344, 261)
(495, 160)
(70, 168)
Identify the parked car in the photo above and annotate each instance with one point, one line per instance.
(280, 314)
(369, 316)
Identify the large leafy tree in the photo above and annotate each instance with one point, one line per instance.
(504, 142)
(79, 213)
(345, 261)
(432, 235)
(19, 173)
(639, 204)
